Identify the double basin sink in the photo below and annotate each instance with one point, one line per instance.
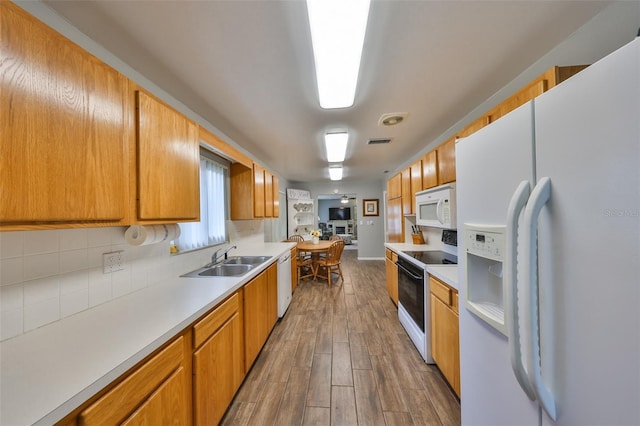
(235, 266)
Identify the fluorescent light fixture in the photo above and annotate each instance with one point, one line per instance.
(336, 145)
(337, 35)
(335, 172)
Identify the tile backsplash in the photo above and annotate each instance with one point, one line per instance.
(49, 275)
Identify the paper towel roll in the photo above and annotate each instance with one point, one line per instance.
(139, 235)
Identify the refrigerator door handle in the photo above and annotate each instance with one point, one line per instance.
(516, 205)
(539, 197)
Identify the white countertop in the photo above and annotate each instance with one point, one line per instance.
(446, 273)
(48, 372)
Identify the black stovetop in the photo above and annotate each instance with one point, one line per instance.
(433, 257)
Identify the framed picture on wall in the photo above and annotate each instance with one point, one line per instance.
(370, 207)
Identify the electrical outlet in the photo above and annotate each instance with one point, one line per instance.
(113, 261)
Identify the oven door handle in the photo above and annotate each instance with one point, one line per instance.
(408, 272)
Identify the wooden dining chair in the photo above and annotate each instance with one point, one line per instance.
(335, 237)
(331, 262)
(304, 262)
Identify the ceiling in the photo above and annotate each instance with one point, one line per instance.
(247, 68)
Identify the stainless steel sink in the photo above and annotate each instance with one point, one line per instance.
(246, 260)
(235, 266)
(220, 270)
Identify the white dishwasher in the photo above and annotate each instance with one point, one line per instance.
(284, 283)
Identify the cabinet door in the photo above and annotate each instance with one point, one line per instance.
(258, 191)
(165, 406)
(272, 297)
(447, 161)
(65, 126)
(392, 280)
(255, 318)
(394, 221)
(406, 191)
(168, 163)
(143, 387)
(276, 195)
(218, 371)
(445, 346)
(394, 187)
(416, 183)
(430, 170)
(268, 194)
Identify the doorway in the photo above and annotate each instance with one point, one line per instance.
(338, 215)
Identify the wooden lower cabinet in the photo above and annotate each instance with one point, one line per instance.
(156, 392)
(193, 379)
(165, 405)
(445, 341)
(391, 258)
(218, 362)
(260, 312)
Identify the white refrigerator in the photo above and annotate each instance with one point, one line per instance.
(550, 293)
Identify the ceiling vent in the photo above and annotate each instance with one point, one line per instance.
(392, 119)
(378, 141)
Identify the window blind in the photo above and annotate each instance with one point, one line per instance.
(211, 228)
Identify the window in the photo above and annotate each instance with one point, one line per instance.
(211, 229)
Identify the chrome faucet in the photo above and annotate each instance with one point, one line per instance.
(214, 256)
(228, 250)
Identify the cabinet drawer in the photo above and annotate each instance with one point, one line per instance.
(391, 255)
(214, 320)
(120, 402)
(454, 301)
(440, 290)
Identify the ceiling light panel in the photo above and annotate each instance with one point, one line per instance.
(336, 146)
(335, 172)
(337, 34)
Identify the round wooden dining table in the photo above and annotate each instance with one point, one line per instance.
(322, 246)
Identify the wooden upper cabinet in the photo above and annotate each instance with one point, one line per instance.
(250, 190)
(258, 191)
(168, 162)
(66, 130)
(394, 187)
(395, 231)
(268, 194)
(276, 195)
(430, 170)
(416, 183)
(406, 191)
(447, 161)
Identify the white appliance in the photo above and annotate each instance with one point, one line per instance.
(284, 284)
(561, 176)
(436, 207)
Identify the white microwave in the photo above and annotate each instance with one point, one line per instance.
(436, 207)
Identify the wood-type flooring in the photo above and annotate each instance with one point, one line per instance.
(340, 357)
